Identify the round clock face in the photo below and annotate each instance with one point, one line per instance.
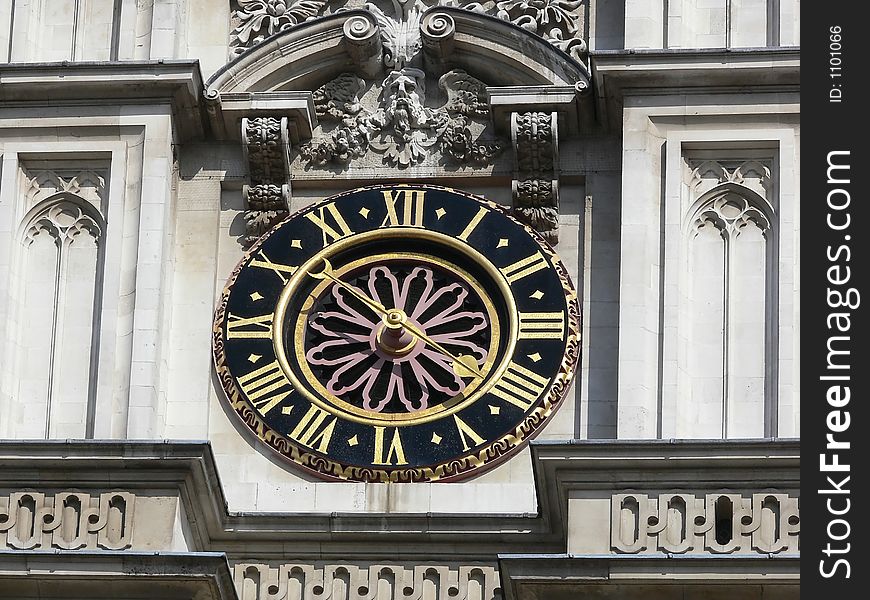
(397, 333)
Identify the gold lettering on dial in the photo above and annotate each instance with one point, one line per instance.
(520, 386)
(262, 261)
(394, 454)
(410, 207)
(265, 387)
(312, 431)
(524, 267)
(472, 225)
(466, 433)
(249, 327)
(542, 325)
(335, 230)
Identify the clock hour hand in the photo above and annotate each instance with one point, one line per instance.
(461, 364)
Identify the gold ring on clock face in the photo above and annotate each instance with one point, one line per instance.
(397, 333)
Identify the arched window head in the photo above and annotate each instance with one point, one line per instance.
(65, 218)
(729, 208)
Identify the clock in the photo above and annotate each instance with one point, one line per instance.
(397, 333)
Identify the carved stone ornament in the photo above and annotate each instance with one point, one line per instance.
(267, 198)
(66, 520)
(536, 179)
(401, 128)
(560, 22)
(306, 581)
(720, 523)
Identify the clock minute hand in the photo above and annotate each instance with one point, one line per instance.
(326, 273)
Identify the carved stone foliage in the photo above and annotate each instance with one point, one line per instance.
(560, 22)
(257, 581)
(536, 178)
(679, 522)
(267, 147)
(255, 20)
(67, 520)
(401, 127)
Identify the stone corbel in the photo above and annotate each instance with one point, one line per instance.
(437, 30)
(362, 42)
(266, 146)
(535, 185)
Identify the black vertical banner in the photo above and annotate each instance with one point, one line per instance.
(834, 349)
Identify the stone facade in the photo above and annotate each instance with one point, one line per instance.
(146, 145)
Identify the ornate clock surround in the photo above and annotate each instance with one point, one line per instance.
(311, 431)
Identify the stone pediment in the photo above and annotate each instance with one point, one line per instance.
(437, 87)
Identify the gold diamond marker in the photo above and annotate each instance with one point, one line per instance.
(365, 215)
(254, 358)
(537, 294)
(256, 296)
(535, 357)
(352, 441)
(440, 212)
(286, 410)
(296, 243)
(502, 243)
(494, 410)
(436, 439)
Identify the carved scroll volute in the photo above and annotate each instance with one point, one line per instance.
(437, 30)
(70, 524)
(727, 511)
(113, 521)
(362, 42)
(767, 527)
(630, 520)
(535, 186)
(266, 148)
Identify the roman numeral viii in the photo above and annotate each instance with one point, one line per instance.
(520, 386)
(405, 207)
(265, 387)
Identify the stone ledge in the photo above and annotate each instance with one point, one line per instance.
(560, 469)
(557, 576)
(176, 82)
(97, 575)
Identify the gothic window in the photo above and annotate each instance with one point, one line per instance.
(726, 360)
(59, 303)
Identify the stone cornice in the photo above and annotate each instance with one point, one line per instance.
(542, 575)
(176, 82)
(559, 467)
(617, 74)
(202, 575)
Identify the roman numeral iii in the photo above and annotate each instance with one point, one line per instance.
(542, 325)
